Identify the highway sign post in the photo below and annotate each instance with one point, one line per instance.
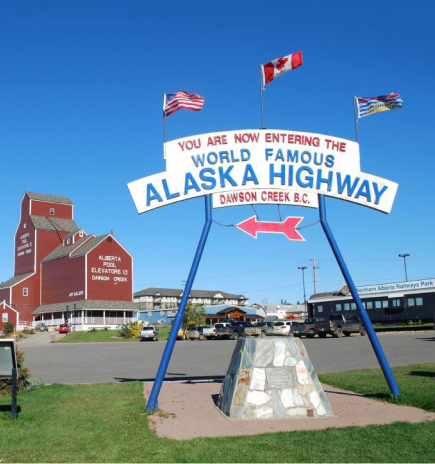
(263, 167)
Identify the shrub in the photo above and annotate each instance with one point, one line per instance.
(27, 331)
(31, 384)
(130, 330)
(9, 328)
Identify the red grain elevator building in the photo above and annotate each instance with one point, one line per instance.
(62, 273)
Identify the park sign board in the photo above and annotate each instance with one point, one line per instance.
(262, 167)
(397, 287)
(8, 359)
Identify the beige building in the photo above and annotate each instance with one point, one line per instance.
(168, 298)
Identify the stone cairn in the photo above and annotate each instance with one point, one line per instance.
(272, 379)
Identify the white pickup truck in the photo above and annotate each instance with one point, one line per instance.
(149, 332)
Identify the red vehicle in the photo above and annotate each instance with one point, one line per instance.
(64, 328)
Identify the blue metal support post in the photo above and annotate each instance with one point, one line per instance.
(389, 377)
(153, 399)
(14, 408)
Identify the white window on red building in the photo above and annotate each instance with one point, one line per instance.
(25, 291)
(51, 211)
(5, 317)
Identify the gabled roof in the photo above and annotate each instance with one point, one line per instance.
(58, 224)
(229, 309)
(62, 251)
(86, 304)
(177, 292)
(87, 247)
(341, 292)
(49, 198)
(72, 233)
(15, 280)
(83, 246)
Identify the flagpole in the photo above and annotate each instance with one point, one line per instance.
(164, 127)
(261, 93)
(356, 120)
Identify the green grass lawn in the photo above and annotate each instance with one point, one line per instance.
(403, 328)
(417, 384)
(107, 423)
(106, 336)
(112, 335)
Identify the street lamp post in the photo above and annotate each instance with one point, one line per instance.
(302, 268)
(404, 256)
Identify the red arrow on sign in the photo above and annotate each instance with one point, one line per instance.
(251, 226)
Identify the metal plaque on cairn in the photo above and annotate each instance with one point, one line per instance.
(272, 379)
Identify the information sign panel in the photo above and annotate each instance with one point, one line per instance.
(8, 360)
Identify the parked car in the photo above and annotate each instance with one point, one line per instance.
(339, 325)
(267, 327)
(161, 321)
(41, 327)
(149, 333)
(306, 328)
(229, 331)
(258, 330)
(64, 328)
(281, 328)
(195, 333)
(209, 332)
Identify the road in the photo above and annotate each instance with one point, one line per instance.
(121, 362)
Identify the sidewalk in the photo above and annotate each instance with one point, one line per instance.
(188, 411)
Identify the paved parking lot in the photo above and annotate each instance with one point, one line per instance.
(119, 362)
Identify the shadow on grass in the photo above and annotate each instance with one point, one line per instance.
(422, 373)
(379, 396)
(8, 408)
(334, 392)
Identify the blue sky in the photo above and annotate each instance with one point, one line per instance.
(81, 115)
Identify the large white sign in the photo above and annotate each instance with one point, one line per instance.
(262, 167)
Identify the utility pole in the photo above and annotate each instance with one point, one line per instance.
(314, 273)
(404, 256)
(302, 268)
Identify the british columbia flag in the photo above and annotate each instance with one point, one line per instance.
(175, 101)
(372, 105)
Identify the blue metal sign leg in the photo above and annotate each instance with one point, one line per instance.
(153, 399)
(389, 377)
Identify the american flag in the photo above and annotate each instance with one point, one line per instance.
(372, 105)
(176, 100)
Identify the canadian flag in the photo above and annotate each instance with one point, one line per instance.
(280, 66)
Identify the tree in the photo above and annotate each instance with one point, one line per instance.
(9, 328)
(193, 315)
